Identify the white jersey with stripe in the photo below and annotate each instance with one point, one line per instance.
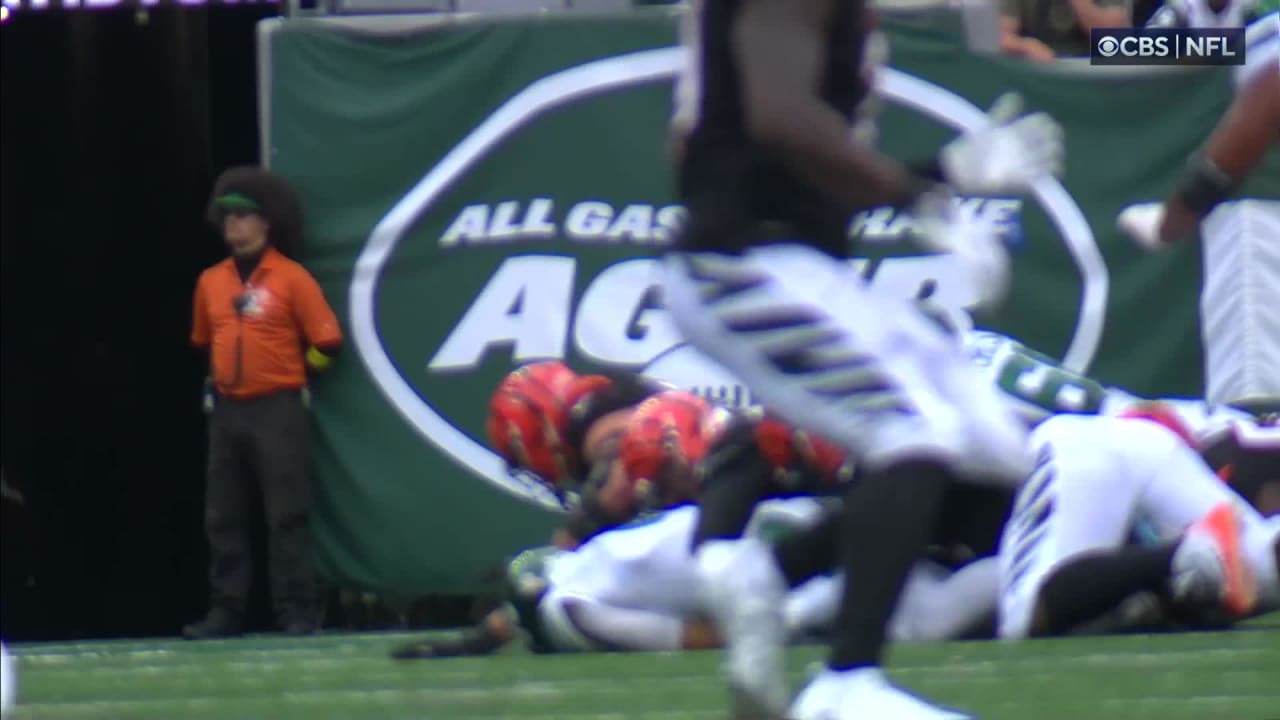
(1037, 386)
(1262, 48)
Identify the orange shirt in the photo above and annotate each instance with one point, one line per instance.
(260, 348)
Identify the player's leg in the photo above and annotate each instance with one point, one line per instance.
(1206, 569)
(871, 374)
(1077, 500)
(1181, 491)
(1064, 559)
(735, 478)
(757, 459)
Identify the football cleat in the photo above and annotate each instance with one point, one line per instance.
(862, 694)
(1209, 564)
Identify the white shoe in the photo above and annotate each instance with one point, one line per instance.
(863, 694)
(821, 699)
(743, 590)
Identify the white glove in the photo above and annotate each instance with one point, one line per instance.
(1007, 156)
(1141, 222)
(971, 238)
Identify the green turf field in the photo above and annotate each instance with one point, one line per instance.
(1231, 675)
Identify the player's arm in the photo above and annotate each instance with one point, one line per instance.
(605, 504)
(630, 629)
(1251, 125)
(492, 634)
(778, 46)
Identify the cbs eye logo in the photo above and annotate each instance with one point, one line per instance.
(1108, 47)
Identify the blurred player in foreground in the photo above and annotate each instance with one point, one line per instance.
(758, 281)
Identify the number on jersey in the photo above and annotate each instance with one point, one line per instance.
(1036, 380)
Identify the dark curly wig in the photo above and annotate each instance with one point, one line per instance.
(278, 204)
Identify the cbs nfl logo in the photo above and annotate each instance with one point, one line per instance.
(1166, 46)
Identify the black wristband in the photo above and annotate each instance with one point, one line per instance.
(1204, 185)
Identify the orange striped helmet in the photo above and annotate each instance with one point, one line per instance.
(669, 433)
(529, 418)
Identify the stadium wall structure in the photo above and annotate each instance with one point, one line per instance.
(485, 191)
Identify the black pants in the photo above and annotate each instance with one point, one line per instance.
(260, 445)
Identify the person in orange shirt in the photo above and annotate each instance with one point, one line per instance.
(266, 325)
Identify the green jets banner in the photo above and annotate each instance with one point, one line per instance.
(487, 192)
